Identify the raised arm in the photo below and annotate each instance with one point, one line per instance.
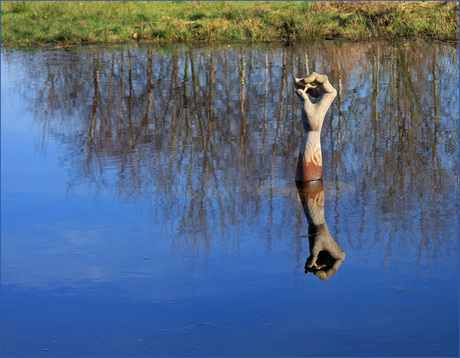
(310, 163)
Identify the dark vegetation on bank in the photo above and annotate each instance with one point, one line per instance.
(25, 23)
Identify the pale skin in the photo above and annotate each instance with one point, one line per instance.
(309, 165)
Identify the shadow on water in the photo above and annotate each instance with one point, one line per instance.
(171, 222)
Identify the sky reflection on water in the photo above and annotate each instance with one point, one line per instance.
(149, 207)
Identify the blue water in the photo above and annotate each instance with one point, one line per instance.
(148, 203)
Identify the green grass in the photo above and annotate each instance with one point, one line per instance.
(26, 23)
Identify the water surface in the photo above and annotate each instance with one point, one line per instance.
(149, 205)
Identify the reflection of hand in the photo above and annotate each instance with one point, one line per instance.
(325, 255)
(319, 87)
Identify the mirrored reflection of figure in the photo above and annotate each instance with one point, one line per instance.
(325, 255)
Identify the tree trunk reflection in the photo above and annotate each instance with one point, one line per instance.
(214, 133)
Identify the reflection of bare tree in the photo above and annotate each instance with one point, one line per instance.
(206, 131)
(325, 255)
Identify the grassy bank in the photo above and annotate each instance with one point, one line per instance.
(25, 23)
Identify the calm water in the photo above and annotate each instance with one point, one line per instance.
(149, 205)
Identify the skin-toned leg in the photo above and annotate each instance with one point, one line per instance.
(310, 163)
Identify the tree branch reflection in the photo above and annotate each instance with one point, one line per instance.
(206, 132)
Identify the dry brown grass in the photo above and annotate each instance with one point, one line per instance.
(25, 23)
